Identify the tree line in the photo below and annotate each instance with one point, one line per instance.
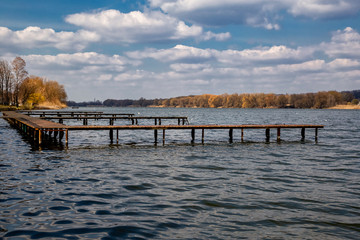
(255, 100)
(317, 100)
(18, 88)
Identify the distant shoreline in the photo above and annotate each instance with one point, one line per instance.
(346, 107)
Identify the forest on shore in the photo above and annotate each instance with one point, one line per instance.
(19, 89)
(319, 100)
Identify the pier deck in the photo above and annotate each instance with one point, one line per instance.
(36, 127)
(134, 120)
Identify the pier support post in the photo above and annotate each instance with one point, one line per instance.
(193, 135)
(278, 135)
(230, 135)
(111, 133)
(267, 134)
(163, 136)
(117, 136)
(66, 137)
(302, 134)
(155, 135)
(39, 136)
(316, 135)
(202, 135)
(242, 135)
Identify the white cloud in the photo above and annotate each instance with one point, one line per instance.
(324, 9)
(184, 70)
(182, 53)
(136, 26)
(258, 13)
(184, 67)
(178, 53)
(344, 44)
(35, 37)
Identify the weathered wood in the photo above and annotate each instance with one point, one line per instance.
(192, 135)
(156, 135)
(36, 126)
(267, 134)
(202, 135)
(278, 134)
(163, 136)
(302, 133)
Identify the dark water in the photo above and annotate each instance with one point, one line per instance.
(135, 190)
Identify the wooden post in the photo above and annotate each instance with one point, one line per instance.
(230, 135)
(159, 121)
(111, 133)
(61, 135)
(178, 121)
(66, 137)
(202, 135)
(39, 136)
(278, 135)
(242, 135)
(155, 121)
(267, 134)
(193, 135)
(117, 136)
(155, 135)
(302, 134)
(163, 136)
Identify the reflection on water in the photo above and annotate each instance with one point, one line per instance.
(135, 190)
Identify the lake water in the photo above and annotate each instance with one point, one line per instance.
(135, 190)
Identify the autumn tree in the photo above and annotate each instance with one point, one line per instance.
(6, 77)
(32, 91)
(20, 74)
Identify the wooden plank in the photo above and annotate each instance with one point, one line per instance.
(160, 127)
(32, 122)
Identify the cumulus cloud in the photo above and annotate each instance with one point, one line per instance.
(258, 13)
(344, 44)
(136, 26)
(182, 53)
(262, 69)
(184, 70)
(35, 37)
(178, 53)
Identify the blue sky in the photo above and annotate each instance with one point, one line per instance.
(120, 49)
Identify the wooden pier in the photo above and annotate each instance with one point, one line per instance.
(134, 120)
(36, 128)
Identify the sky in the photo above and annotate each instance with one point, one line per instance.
(127, 49)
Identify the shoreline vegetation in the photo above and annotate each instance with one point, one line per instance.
(319, 100)
(18, 90)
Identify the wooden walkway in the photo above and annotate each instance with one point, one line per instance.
(134, 120)
(36, 127)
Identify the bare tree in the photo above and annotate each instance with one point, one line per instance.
(20, 74)
(6, 77)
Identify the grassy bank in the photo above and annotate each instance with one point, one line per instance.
(346, 107)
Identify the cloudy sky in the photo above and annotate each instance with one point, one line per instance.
(102, 49)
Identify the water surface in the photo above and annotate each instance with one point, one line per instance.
(136, 190)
